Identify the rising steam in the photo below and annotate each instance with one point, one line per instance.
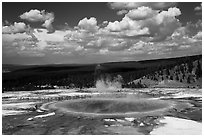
(104, 82)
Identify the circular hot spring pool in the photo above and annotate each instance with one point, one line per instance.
(111, 107)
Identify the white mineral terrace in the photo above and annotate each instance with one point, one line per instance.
(16, 108)
(178, 126)
(10, 107)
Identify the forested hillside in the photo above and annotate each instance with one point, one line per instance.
(184, 74)
(172, 72)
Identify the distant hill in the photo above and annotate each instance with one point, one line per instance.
(135, 74)
(187, 73)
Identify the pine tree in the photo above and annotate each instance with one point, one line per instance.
(177, 78)
(198, 71)
(188, 80)
(190, 66)
(167, 72)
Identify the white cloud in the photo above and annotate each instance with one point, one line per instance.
(121, 12)
(103, 51)
(157, 25)
(126, 27)
(172, 12)
(11, 37)
(138, 45)
(118, 26)
(48, 23)
(134, 5)
(141, 31)
(56, 36)
(184, 46)
(16, 28)
(89, 25)
(105, 22)
(47, 40)
(40, 16)
(190, 30)
(141, 13)
(79, 48)
(198, 35)
(42, 41)
(34, 16)
(198, 8)
(163, 24)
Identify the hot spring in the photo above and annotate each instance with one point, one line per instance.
(110, 104)
(111, 107)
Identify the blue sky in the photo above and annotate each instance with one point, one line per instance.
(64, 33)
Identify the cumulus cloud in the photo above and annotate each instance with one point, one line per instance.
(198, 8)
(19, 27)
(186, 39)
(89, 25)
(141, 13)
(143, 30)
(191, 30)
(33, 15)
(41, 34)
(48, 24)
(9, 38)
(198, 36)
(19, 44)
(23, 44)
(121, 12)
(156, 25)
(103, 24)
(6, 23)
(126, 27)
(163, 24)
(118, 26)
(77, 42)
(134, 5)
(40, 16)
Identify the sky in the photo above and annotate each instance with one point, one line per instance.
(88, 32)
